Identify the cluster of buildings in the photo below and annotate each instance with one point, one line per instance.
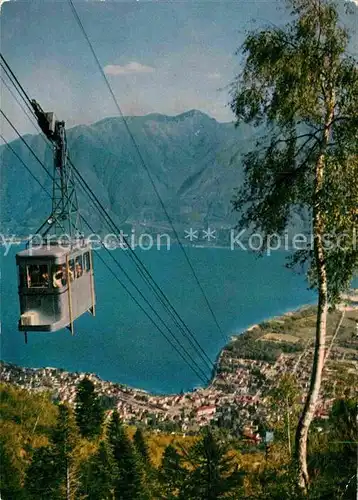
(237, 397)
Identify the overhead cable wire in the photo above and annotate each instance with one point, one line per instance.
(144, 298)
(144, 165)
(30, 113)
(141, 269)
(23, 140)
(149, 278)
(14, 77)
(21, 105)
(25, 166)
(197, 370)
(203, 377)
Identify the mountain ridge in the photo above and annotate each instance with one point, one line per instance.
(193, 160)
(188, 156)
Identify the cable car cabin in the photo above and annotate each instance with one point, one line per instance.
(56, 286)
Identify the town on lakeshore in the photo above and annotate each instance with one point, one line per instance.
(247, 371)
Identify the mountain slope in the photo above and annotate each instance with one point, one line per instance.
(189, 157)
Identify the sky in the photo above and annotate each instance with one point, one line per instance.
(163, 57)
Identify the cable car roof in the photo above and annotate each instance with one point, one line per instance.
(54, 252)
(44, 252)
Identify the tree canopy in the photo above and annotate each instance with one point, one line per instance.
(300, 86)
(89, 412)
(298, 83)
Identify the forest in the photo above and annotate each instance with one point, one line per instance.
(50, 450)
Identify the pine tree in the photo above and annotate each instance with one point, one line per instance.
(214, 473)
(63, 439)
(129, 481)
(171, 472)
(301, 86)
(48, 475)
(141, 446)
(88, 410)
(98, 475)
(43, 476)
(64, 435)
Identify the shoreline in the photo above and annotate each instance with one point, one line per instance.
(247, 369)
(220, 246)
(153, 393)
(136, 389)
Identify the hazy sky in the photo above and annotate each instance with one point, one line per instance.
(164, 57)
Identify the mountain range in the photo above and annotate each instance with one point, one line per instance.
(190, 158)
(193, 159)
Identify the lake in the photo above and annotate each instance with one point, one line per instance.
(120, 344)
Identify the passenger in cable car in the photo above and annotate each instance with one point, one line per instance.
(33, 276)
(59, 276)
(48, 301)
(37, 276)
(86, 262)
(71, 270)
(45, 279)
(79, 270)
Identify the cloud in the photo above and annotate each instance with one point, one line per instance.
(214, 76)
(128, 69)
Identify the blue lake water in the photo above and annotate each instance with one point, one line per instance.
(122, 345)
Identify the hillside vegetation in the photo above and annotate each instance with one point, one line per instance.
(42, 445)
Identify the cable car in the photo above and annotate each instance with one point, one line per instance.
(55, 277)
(56, 286)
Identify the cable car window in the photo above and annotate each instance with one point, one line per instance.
(59, 276)
(86, 262)
(79, 268)
(37, 276)
(22, 277)
(72, 269)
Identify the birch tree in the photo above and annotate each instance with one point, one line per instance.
(299, 86)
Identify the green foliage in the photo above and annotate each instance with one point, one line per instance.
(129, 482)
(64, 435)
(214, 474)
(10, 482)
(301, 86)
(344, 421)
(89, 413)
(284, 400)
(333, 459)
(34, 412)
(297, 83)
(141, 446)
(250, 347)
(26, 422)
(113, 468)
(171, 472)
(43, 477)
(97, 475)
(286, 391)
(276, 484)
(47, 474)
